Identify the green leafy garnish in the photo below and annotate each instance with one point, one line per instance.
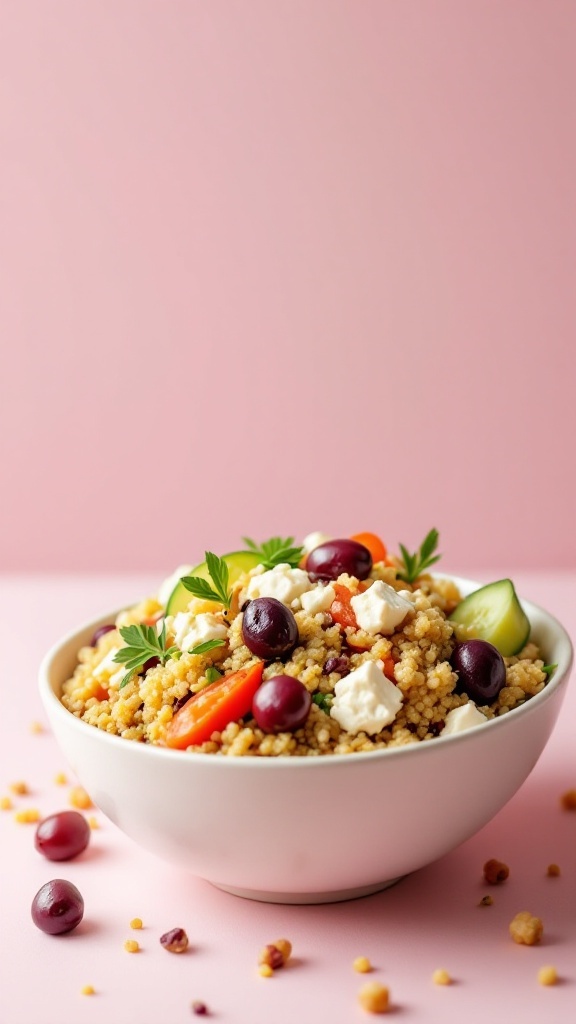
(143, 643)
(218, 572)
(549, 669)
(212, 674)
(414, 565)
(207, 645)
(323, 700)
(276, 551)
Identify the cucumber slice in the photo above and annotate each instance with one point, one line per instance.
(238, 562)
(496, 615)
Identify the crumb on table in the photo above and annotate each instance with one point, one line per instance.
(548, 975)
(495, 871)
(526, 929)
(441, 977)
(374, 997)
(362, 965)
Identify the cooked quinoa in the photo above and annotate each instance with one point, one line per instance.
(416, 658)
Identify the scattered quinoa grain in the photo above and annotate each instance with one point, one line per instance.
(441, 977)
(174, 941)
(362, 965)
(552, 871)
(486, 901)
(6, 803)
(526, 929)
(131, 946)
(60, 779)
(136, 923)
(88, 990)
(495, 872)
(568, 800)
(36, 727)
(93, 822)
(374, 997)
(265, 971)
(79, 798)
(548, 975)
(27, 816)
(20, 788)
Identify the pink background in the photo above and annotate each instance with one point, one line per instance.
(281, 266)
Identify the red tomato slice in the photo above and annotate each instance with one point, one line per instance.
(341, 610)
(211, 710)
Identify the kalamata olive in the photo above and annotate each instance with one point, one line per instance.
(329, 560)
(101, 631)
(57, 907)
(151, 663)
(337, 664)
(281, 704)
(269, 628)
(481, 670)
(62, 836)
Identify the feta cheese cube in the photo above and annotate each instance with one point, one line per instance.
(165, 589)
(380, 609)
(190, 630)
(318, 599)
(282, 582)
(462, 718)
(365, 700)
(314, 540)
(107, 666)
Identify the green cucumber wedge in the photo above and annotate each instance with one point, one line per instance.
(496, 615)
(238, 562)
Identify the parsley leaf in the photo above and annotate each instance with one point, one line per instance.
(549, 669)
(218, 572)
(208, 645)
(276, 551)
(414, 565)
(143, 643)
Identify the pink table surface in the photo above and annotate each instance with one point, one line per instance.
(429, 920)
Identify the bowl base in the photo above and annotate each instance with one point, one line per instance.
(338, 896)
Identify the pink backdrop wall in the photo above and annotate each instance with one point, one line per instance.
(280, 266)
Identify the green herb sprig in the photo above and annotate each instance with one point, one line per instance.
(144, 642)
(549, 669)
(276, 551)
(219, 590)
(414, 565)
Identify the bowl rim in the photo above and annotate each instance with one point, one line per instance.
(53, 705)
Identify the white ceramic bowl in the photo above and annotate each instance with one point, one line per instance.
(309, 830)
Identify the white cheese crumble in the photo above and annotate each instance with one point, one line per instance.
(107, 665)
(314, 540)
(463, 718)
(365, 700)
(190, 630)
(318, 599)
(282, 582)
(165, 589)
(380, 609)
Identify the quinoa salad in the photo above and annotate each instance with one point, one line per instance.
(333, 646)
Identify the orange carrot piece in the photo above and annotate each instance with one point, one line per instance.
(375, 546)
